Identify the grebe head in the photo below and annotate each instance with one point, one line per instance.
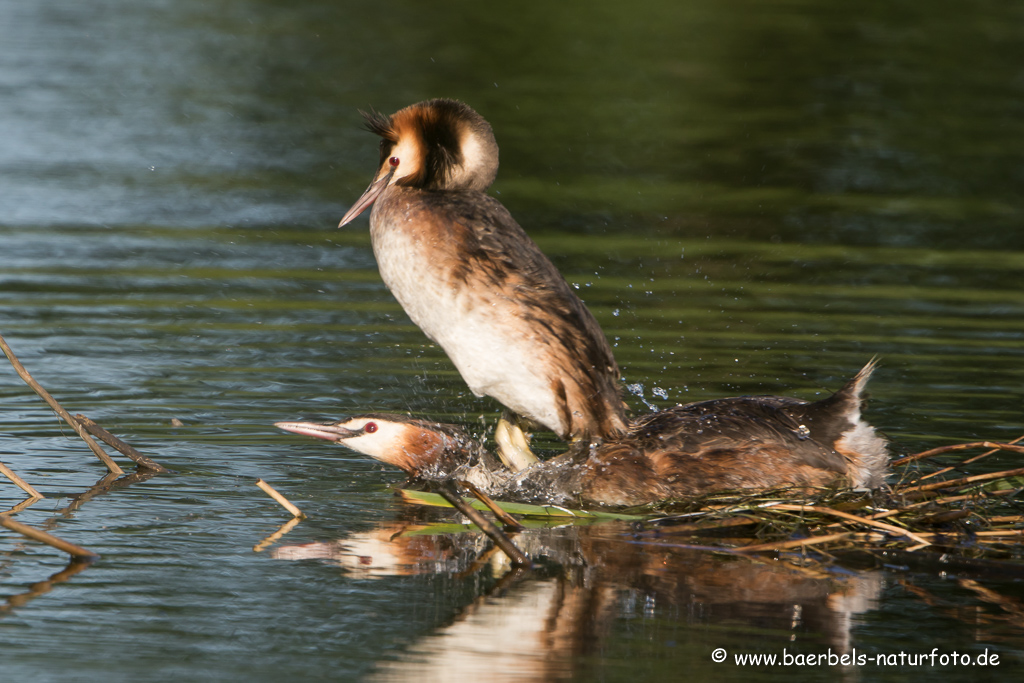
(419, 447)
(439, 144)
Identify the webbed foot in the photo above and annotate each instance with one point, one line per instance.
(513, 446)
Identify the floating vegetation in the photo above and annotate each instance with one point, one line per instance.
(524, 509)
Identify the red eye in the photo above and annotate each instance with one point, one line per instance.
(393, 161)
(370, 427)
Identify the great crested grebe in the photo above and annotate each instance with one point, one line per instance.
(758, 442)
(472, 279)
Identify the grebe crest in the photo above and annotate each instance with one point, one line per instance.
(439, 144)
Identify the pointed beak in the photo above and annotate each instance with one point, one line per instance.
(369, 197)
(329, 432)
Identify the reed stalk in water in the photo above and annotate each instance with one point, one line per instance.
(284, 502)
(49, 539)
(19, 482)
(52, 402)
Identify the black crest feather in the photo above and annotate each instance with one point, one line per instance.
(379, 124)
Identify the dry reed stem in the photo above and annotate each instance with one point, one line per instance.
(946, 500)
(1007, 519)
(506, 519)
(52, 402)
(517, 556)
(868, 537)
(1000, 532)
(19, 482)
(912, 506)
(957, 447)
(116, 443)
(890, 513)
(963, 480)
(934, 501)
(284, 502)
(931, 536)
(797, 543)
(49, 539)
(968, 461)
(853, 518)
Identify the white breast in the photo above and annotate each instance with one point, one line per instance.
(479, 330)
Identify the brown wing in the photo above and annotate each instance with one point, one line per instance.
(739, 443)
(732, 423)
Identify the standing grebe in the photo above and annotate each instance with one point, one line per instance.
(760, 442)
(469, 276)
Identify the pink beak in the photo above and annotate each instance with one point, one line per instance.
(329, 432)
(369, 197)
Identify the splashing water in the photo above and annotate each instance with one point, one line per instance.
(638, 391)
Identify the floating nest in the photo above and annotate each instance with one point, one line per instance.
(932, 516)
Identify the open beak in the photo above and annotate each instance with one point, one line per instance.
(369, 197)
(329, 432)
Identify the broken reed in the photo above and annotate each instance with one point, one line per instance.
(47, 538)
(83, 426)
(281, 500)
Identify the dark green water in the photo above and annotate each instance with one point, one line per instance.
(752, 198)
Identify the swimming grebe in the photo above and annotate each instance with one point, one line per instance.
(469, 276)
(759, 442)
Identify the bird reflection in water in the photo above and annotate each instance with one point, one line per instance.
(548, 623)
